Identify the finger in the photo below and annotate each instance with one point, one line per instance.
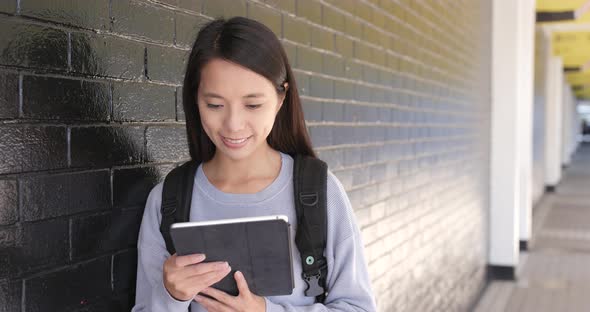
(220, 296)
(211, 305)
(199, 282)
(182, 261)
(242, 284)
(202, 268)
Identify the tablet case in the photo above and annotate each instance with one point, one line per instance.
(261, 250)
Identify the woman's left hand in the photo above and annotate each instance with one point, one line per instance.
(244, 301)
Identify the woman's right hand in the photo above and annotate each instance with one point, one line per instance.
(186, 276)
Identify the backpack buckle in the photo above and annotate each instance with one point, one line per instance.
(308, 199)
(313, 284)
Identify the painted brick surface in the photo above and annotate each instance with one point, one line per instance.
(396, 98)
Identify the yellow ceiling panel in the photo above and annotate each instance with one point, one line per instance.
(578, 78)
(575, 60)
(572, 42)
(559, 5)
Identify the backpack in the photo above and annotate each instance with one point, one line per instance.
(310, 188)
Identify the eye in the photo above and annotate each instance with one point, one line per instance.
(214, 106)
(253, 106)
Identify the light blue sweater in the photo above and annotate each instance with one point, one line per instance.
(348, 282)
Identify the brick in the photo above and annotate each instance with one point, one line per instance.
(69, 289)
(353, 27)
(137, 18)
(192, 5)
(353, 70)
(333, 65)
(64, 194)
(296, 30)
(308, 59)
(343, 90)
(321, 87)
(32, 46)
(373, 36)
(166, 64)
(167, 144)
(359, 177)
(8, 95)
(379, 18)
(352, 157)
(345, 177)
(65, 99)
(302, 83)
(10, 295)
(378, 96)
(370, 74)
(343, 135)
(333, 111)
(363, 52)
(321, 135)
(283, 5)
(30, 148)
(334, 158)
(8, 202)
(312, 110)
(105, 55)
(132, 186)
(346, 5)
(291, 51)
(29, 246)
(363, 11)
(270, 18)
(106, 146)
(310, 10)
(8, 6)
(333, 19)
(187, 28)
(179, 106)
(363, 93)
(93, 14)
(143, 102)
(95, 234)
(224, 8)
(322, 39)
(355, 113)
(124, 270)
(343, 46)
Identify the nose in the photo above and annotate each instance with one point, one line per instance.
(234, 120)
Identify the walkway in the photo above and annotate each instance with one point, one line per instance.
(555, 274)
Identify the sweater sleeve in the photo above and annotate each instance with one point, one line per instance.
(151, 295)
(348, 283)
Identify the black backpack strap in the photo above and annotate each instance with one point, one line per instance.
(176, 199)
(310, 176)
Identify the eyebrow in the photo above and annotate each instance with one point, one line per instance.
(217, 96)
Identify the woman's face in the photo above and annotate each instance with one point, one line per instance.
(237, 107)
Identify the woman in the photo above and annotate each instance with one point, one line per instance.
(244, 123)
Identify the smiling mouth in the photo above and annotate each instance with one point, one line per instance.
(235, 141)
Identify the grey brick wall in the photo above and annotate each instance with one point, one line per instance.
(396, 96)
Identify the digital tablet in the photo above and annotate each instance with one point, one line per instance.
(259, 247)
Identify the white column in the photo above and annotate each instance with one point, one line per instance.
(553, 121)
(505, 151)
(567, 121)
(525, 103)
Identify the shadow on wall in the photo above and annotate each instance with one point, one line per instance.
(74, 241)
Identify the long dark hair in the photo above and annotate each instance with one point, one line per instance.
(252, 45)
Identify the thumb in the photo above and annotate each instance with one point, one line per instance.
(242, 284)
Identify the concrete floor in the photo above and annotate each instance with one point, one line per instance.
(554, 274)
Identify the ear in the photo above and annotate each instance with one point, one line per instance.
(282, 96)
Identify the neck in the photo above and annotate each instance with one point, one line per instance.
(262, 163)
